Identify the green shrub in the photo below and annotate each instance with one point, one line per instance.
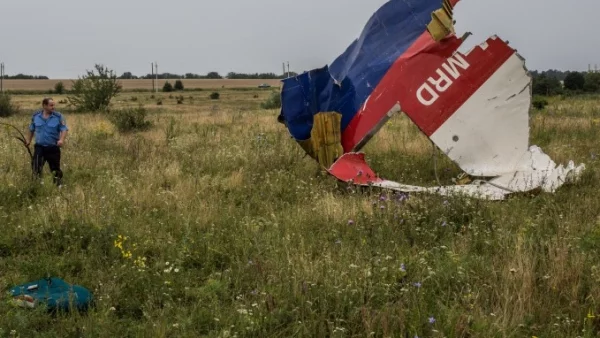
(539, 103)
(215, 96)
(130, 119)
(178, 85)
(7, 108)
(93, 92)
(59, 88)
(168, 87)
(273, 102)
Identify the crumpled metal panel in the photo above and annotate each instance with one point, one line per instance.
(351, 79)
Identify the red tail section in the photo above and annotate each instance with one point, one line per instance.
(398, 82)
(434, 85)
(430, 81)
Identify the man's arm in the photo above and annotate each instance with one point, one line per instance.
(31, 131)
(63, 135)
(29, 138)
(63, 131)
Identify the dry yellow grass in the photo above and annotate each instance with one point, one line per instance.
(139, 84)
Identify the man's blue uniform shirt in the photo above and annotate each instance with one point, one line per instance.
(47, 131)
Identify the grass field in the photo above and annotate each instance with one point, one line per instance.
(213, 223)
(45, 85)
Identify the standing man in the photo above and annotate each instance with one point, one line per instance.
(50, 130)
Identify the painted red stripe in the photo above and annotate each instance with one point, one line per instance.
(482, 65)
(418, 64)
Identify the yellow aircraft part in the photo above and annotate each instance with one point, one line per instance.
(325, 143)
(442, 23)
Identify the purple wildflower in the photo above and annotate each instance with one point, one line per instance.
(402, 267)
(402, 197)
(350, 222)
(431, 320)
(444, 223)
(417, 284)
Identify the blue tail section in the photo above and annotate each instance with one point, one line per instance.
(345, 85)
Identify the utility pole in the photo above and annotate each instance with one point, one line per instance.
(152, 75)
(156, 74)
(283, 74)
(288, 73)
(2, 77)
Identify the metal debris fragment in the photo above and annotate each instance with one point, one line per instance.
(473, 106)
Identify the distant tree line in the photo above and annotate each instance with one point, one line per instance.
(25, 77)
(553, 82)
(548, 83)
(559, 74)
(210, 75)
(261, 76)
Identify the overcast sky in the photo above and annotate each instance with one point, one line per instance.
(63, 38)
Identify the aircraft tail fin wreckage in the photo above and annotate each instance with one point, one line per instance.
(473, 106)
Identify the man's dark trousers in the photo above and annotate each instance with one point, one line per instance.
(50, 154)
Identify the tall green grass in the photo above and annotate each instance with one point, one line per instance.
(223, 228)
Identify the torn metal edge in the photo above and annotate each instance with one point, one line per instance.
(360, 144)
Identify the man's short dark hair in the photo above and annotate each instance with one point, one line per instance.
(46, 100)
